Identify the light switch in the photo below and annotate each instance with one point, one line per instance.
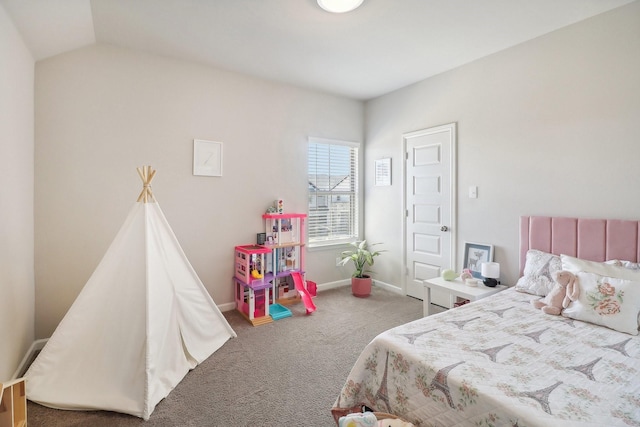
(473, 192)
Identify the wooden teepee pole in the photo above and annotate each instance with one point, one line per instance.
(146, 174)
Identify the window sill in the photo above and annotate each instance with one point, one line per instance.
(312, 247)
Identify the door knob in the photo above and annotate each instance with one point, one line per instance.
(444, 228)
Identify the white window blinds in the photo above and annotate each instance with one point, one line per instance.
(333, 191)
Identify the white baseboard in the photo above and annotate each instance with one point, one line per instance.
(388, 287)
(323, 287)
(29, 357)
(332, 285)
(227, 307)
(347, 282)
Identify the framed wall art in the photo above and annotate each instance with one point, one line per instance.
(207, 158)
(474, 255)
(383, 172)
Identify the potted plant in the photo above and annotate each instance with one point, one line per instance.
(362, 257)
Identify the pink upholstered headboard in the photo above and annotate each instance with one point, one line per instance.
(592, 239)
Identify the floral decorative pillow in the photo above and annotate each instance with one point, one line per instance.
(606, 301)
(539, 270)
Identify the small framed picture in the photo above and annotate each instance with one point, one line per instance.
(474, 255)
(207, 158)
(383, 172)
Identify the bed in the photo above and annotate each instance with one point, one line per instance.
(501, 362)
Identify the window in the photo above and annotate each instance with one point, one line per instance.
(333, 191)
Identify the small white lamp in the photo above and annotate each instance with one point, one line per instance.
(339, 6)
(491, 272)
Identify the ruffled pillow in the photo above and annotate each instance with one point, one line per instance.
(539, 270)
(606, 301)
(610, 269)
(626, 264)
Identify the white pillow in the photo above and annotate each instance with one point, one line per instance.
(626, 264)
(539, 269)
(603, 269)
(607, 301)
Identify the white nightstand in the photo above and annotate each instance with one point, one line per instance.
(455, 288)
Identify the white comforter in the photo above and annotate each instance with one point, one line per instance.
(499, 362)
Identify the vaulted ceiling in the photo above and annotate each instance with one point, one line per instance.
(381, 46)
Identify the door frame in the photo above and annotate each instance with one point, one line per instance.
(453, 191)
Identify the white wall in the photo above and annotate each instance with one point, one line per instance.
(547, 127)
(102, 111)
(16, 197)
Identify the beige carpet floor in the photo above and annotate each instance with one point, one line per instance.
(287, 373)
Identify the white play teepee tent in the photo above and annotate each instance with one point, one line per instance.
(141, 322)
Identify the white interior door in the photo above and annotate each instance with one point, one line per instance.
(429, 207)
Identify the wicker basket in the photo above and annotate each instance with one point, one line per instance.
(384, 415)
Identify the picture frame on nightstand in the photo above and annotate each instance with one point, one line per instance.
(474, 255)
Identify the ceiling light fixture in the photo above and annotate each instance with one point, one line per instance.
(339, 6)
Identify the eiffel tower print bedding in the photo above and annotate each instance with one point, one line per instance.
(498, 362)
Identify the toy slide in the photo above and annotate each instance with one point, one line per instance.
(306, 298)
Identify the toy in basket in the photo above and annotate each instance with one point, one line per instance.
(372, 419)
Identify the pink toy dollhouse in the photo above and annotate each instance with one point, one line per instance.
(263, 273)
(252, 285)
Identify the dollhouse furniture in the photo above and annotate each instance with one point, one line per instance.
(286, 241)
(252, 284)
(250, 259)
(13, 404)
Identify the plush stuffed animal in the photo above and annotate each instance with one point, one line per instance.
(466, 274)
(364, 419)
(553, 303)
(369, 419)
(573, 290)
